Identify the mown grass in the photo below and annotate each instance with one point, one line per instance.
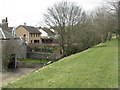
(94, 68)
(34, 60)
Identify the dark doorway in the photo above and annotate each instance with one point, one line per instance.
(36, 41)
(11, 64)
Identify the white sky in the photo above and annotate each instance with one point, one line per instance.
(31, 11)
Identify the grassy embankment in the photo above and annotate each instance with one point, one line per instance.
(96, 67)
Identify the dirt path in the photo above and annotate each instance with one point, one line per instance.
(14, 74)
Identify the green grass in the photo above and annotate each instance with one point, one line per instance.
(94, 68)
(34, 60)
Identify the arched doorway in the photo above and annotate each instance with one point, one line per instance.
(12, 63)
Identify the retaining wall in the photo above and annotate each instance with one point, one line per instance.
(29, 65)
(39, 55)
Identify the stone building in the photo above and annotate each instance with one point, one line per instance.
(29, 33)
(11, 48)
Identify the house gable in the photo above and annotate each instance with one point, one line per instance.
(22, 32)
(29, 33)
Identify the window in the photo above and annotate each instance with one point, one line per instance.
(24, 35)
(47, 40)
(31, 41)
(31, 34)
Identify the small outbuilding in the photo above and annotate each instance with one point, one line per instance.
(11, 48)
(7, 50)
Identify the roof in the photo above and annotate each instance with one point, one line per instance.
(10, 29)
(49, 32)
(43, 33)
(31, 29)
(6, 35)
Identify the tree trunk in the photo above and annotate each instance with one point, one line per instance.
(119, 20)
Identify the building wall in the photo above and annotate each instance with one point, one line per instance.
(34, 36)
(8, 47)
(0, 55)
(20, 31)
(21, 49)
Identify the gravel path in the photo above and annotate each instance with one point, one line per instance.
(14, 74)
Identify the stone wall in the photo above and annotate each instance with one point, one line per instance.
(21, 49)
(39, 55)
(9, 48)
(0, 55)
(0, 65)
(29, 65)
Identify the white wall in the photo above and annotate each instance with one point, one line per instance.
(44, 34)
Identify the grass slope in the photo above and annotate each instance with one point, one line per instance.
(94, 68)
(34, 60)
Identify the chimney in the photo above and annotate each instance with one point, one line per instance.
(25, 24)
(5, 24)
(6, 19)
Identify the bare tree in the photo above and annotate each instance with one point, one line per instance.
(105, 22)
(63, 16)
(113, 7)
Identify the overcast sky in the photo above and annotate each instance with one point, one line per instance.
(31, 11)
